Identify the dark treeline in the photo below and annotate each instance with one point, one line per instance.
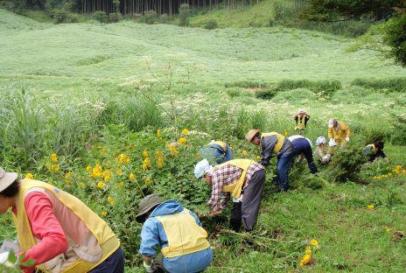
(127, 7)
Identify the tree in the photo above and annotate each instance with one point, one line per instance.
(395, 36)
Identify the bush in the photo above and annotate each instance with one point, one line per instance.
(347, 162)
(391, 85)
(63, 16)
(265, 94)
(150, 17)
(184, 14)
(164, 18)
(114, 17)
(325, 88)
(101, 16)
(211, 24)
(396, 37)
(379, 9)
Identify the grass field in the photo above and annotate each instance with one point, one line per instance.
(91, 92)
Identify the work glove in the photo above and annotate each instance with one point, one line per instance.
(332, 142)
(347, 139)
(325, 159)
(148, 267)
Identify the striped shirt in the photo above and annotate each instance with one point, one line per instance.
(225, 175)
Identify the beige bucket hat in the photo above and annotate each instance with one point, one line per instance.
(6, 179)
(146, 204)
(251, 133)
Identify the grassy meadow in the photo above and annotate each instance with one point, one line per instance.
(97, 109)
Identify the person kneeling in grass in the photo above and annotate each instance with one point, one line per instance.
(338, 132)
(217, 151)
(244, 180)
(177, 232)
(303, 147)
(322, 151)
(278, 144)
(56, 230)
(374, 151)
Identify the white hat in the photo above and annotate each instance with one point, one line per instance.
(6, 179)
(201, 168)
(321, 140)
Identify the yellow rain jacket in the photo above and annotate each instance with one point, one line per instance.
(339, 134)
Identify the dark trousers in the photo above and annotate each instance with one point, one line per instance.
(113, 264)
(246, 211)
(283, 166)
(307, 152)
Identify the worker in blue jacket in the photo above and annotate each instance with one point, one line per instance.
(303, 147)
(177, 232)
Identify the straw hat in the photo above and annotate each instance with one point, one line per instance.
(251, 133)
(146, 204)
(6, 179)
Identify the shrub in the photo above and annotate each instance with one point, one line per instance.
(211, 24)
(347, 162)
(164, 18)
(63, 16)
(396, 37)
(184, 14)
(394, 84)
(114, 17)
(324, 88)
(101, 16)
(266, 94)
(150, 17)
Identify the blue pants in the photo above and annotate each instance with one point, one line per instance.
(302, 146)
(283, 166)
(190, 263)
(113, 264)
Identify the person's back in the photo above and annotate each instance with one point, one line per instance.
(177, 232)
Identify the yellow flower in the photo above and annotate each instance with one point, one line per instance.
(100, 185)
(173, 149)
(54, 168)
(111, 200)
(387, 229)
(145, 154)
(308, 250)
(103, 213)
(158, 133)
(89, 169)
(398, 169)
(146, 164)
(185, 132)
(123, 159)
(107, 174)
(97, 171)
(306, 260)
(148, 181)
(371, 207)
(159, 156)
(29, 176)
(182, 140)
(68, 177)
(285, 133)
(53, 157)
(314, 243)
(119, 172)
(132, 177)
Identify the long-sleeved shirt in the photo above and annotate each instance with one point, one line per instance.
(225, 175)
(267, 146)
(340, 133)
(46, 227)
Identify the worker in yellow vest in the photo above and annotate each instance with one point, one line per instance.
(338, 132)
(274, 143)
(177, 232)
(301, 118)
(56, 231)
(243, 180)
(217, 151)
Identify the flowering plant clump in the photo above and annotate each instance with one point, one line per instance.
(308, 257)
